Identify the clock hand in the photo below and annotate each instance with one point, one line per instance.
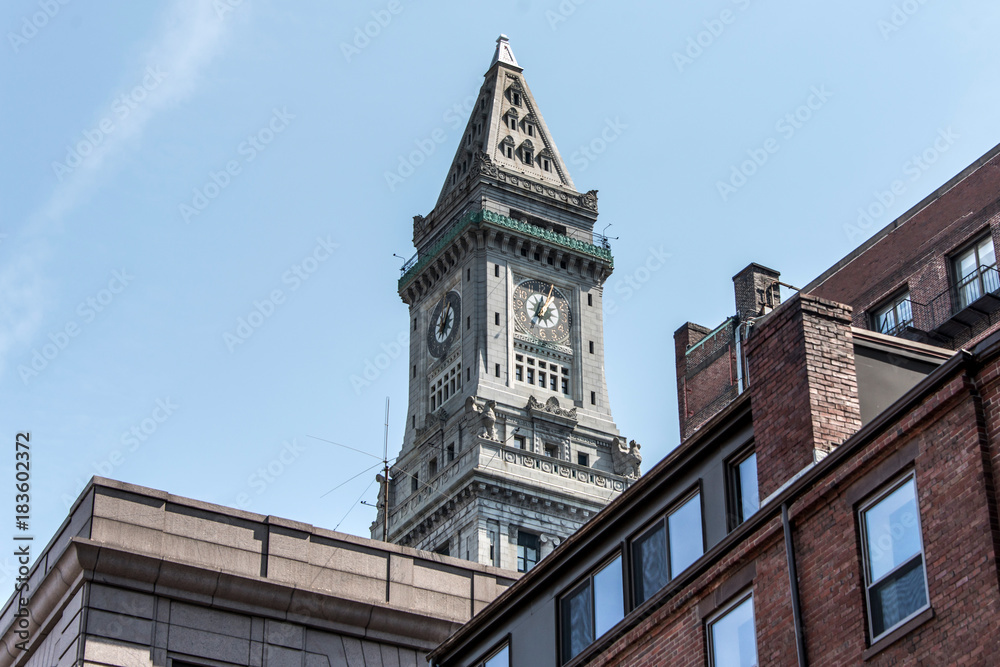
(443, 322)
(548, 300)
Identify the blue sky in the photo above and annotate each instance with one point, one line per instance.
(174, 168)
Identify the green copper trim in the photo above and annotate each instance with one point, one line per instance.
(480, 216)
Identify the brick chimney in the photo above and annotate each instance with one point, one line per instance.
(705, 360)
(757, 291)
(803, 386)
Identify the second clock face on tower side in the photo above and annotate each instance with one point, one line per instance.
(445, 320)
(542, 311)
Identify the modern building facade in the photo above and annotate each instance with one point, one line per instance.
(137, 577)
(833, 500)
(510, 445)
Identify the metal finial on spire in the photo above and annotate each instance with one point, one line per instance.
(504, 53)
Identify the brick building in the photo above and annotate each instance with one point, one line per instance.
(833, 499)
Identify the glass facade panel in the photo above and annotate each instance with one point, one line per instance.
(686, 542)
(733, 637)
(577, 622)
(892, 533)
(895, 578)
(500, 659)
(749, 497)
(609, 598)
(649, 554)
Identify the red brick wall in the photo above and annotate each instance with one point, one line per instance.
(916, 254)
(944, 440)
(706, 374)
(803, 386)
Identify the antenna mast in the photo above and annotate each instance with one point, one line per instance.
(385, 485)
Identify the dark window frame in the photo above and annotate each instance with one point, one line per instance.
(585, 581)
(721, 613)
(537, 548)
(494, 651)
(734, 496)
(861, 508)
(958, 301)
(894, 304)
(662, 520)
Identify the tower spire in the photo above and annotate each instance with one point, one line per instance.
(504, 54)
(507, 130)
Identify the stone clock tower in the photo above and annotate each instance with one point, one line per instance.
(509, 445)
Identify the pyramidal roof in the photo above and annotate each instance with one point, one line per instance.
(507, 125)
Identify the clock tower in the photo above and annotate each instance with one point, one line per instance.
(509, 445)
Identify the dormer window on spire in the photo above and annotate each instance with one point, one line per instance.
(527, 152)
(507, 147)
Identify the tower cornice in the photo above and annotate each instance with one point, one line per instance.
(482, 219)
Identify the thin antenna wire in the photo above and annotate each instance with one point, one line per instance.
(344, 446)
(354, 504)
(349, 480)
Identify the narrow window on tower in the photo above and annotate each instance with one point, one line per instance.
(468, 324)
(498, 370)
(414, 370)
(531, 376)
(468, 274)
(414, 482)
(590, 299)
(468, 373)
(591, 347)
(413, 421)
(519, 373)
(496, 270)
(451, 452)
(496, 319)
(593, 398)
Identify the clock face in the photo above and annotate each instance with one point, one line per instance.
(541, 310)
(443, 328)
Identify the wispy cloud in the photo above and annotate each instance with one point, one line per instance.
(191, 34)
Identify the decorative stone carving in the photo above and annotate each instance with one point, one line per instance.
(488, 416)
(482, 164)
(626, 458)
(589, 200)
(551, 407)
